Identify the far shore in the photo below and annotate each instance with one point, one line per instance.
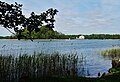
(58, 39)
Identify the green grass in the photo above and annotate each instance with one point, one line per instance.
(43, 67)
(38, 65)
(112, 53)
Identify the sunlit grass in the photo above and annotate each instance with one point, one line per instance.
(111, 53)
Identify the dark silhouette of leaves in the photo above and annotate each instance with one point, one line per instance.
(11, 17)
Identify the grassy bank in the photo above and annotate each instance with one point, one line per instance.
(112, 53)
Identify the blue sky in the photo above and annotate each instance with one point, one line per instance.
(77, 16)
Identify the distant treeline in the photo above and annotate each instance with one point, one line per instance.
(46, 33)
(96, 36)
(103, 36)
(8, 37)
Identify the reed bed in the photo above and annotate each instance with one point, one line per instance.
(112, 53)
(12, 69)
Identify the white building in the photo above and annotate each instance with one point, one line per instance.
(81, 37)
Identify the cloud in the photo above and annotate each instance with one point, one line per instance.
(79, 16)
(102, 19)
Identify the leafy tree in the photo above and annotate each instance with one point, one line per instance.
(11, 17)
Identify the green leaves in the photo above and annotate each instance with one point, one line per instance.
(11, 17)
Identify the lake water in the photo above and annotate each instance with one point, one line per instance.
(90, 49)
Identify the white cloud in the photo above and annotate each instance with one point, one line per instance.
(99, 19)
(73, 18)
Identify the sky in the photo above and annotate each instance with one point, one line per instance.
(77, 16)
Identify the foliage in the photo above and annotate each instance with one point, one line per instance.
(44, 33)
(11, 17)
(96, 36)
(59, 35)
(114, 70)
(102, 36)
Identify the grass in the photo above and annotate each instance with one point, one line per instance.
(112, 53)
(43, 67)
(12, 69)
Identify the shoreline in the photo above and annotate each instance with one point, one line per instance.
(60, 39)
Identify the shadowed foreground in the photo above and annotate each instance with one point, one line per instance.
(24, 67)
(112, 78)
(47, 68)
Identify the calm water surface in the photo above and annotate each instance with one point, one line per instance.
(90, 49)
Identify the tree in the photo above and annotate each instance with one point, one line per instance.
(11, 17)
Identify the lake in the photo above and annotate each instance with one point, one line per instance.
(89, 49)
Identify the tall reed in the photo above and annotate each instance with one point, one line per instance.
(112, 53)
(37, 65)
